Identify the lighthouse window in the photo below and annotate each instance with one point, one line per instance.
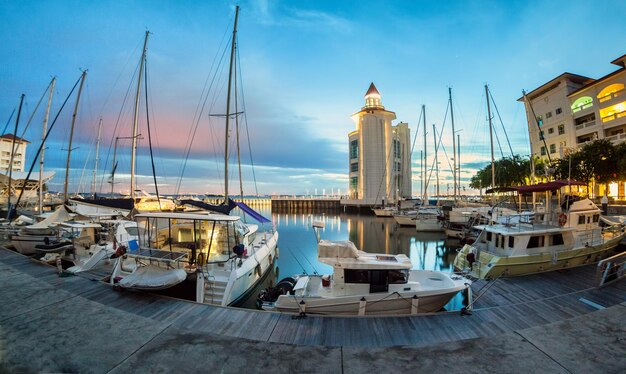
(511, 241)
(581, 220)
(596, 218)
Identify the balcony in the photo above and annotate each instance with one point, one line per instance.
(582, 107)
(616, 139)
(585, 125)
(611, 96)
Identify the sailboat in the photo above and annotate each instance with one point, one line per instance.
(427, 218)
(225, 256)
(123, 206)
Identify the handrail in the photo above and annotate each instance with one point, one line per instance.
(610, 270)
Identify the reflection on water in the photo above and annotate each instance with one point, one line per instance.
(298, 246)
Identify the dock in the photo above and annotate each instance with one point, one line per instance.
(552, 322)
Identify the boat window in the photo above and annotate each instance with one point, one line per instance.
(535, 242)
(557, 239)
(356, 276)
(511, 241)
(132, 231)
(398, 276)
(488, 236)
(596, 218)
(581, 220)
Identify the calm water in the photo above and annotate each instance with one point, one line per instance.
(298, 246)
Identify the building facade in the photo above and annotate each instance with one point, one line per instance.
(19, 159)
(379, 154)
(571, 110)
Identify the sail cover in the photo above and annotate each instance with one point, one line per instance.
(251, 212)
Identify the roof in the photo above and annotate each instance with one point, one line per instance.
(539, 187)
(597, 81)
(372, 90)
(526, 229)
(620, 61)
(198, 216)
(11, 136)
(554, 82)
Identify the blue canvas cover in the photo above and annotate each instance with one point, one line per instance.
(251, 212)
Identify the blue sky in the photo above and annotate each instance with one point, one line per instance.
(305, 66)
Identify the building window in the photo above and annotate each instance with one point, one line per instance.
(396, 148)
(609, 91)
(561, 129)
(549, 115)
(354, 167)
(354, 149)
(543, 150)
(541, 136)
(613, 112)
(551, 130)
(558, 111)
(582, 103)
(398, 166)
(354, 183)
(552, 148)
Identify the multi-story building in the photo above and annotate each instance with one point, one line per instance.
(571, 110)
(379, 154)
(19, 158)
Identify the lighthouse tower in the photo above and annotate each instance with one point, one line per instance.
(379, 154)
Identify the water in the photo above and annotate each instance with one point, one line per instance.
(298, 245)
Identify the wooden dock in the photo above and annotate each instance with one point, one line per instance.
(508, 305)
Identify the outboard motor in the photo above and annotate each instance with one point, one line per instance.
(271, 294)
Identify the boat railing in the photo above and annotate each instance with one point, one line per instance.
(611, 270)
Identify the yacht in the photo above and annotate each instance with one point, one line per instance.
(521, 245)
(405, 218)
(428, 219)
(363, 284)
(225, 256)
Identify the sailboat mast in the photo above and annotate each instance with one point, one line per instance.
(237, 133)
(230, 81)
(17, 121)
(43, 139)
(425, 183)
(436, 160)
(454, 154)
(69, 147)
(493, 168)
(135, 118)
(95, 167)
(458, 154)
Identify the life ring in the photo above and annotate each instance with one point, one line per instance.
(562, 219)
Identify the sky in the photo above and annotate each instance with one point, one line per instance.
(303, 69)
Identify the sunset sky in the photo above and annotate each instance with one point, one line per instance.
(305, 67)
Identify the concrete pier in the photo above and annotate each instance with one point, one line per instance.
(72, 324)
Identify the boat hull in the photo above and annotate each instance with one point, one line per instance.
(490, 266)
(383, 212)
(405, 220)
(428, 225)
(376, 304)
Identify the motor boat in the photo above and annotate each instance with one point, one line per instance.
(363, 284)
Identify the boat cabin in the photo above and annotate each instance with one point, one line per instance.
(205, 238)
(509, 241)
(354, 268)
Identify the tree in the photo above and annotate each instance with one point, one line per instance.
(510, 171)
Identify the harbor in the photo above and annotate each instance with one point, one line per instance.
(557, 321)
(338, 215)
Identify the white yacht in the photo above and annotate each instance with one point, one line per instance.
(405, 218)
(384, 211)
(40, 233)
(564, 239)
(226, 256)
(365, 284)
(428, 219)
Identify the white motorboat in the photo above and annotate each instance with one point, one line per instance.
(227, 257)
(522, 246)
(364, 284)
(40, 233)
(384, 212)
(428, 219)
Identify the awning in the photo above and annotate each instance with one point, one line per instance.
(254, 214)
(539, 187)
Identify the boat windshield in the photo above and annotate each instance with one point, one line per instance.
(203, 240)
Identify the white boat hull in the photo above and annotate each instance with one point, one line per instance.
(383, 212)
(405, 220)
(430, 225)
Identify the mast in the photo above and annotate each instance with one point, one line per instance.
(95, 167)
(237, 133)
(454, 154)
(436, 161)
(135, 118)
(43, 139)
(17, 121)
(69, 148)
(230, 79)
(458, 154)
(493, 174)
(425, 183)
